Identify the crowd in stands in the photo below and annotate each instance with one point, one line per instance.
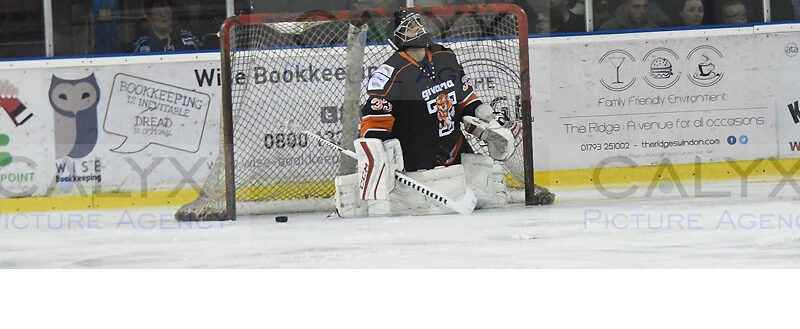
(176, 25)
(643, 14)
(568, 16)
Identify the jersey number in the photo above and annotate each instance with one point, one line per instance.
(443, 107)
(379, 104)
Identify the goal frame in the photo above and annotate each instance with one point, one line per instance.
(356, 18)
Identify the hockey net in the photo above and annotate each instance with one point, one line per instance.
(311, 69)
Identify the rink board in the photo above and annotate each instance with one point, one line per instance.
(622, 109)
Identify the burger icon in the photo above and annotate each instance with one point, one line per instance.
(661, 68)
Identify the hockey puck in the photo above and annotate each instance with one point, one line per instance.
(281, 219)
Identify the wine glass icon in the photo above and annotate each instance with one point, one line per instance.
(617, 62)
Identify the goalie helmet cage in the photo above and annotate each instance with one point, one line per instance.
(286, 67)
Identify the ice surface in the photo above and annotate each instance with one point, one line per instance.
(732, 231)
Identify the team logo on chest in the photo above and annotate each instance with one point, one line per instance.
(443, 107)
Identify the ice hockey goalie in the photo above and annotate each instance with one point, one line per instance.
(419, 101)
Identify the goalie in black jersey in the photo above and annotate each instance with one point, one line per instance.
(418, 101)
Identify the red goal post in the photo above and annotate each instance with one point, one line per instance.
(313, 66)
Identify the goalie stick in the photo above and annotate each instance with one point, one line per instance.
(465, 206)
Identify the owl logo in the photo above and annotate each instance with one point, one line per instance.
(75, 112)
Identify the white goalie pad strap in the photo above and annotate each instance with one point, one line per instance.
(395, 153)
(499, 140)
(376, 166)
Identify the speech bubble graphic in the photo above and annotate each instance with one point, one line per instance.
(148, 112)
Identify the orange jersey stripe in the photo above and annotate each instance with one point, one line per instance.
(385, 122)
(443, 51)
(469, 99)
(408, 58)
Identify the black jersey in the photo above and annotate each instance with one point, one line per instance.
(421, 104)
(179, 39)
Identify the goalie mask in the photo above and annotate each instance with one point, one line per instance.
(409, 31)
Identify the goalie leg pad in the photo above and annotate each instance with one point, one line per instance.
(347, 197)
(402, 200)
(376, 165)
(486, 178)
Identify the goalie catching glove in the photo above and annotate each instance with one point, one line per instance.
(498, 138)
(377, 162)
(487, 113)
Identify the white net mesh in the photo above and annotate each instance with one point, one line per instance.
(297, 71)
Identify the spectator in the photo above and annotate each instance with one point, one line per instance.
(433, 3)
(603, 11)
(755, 10)
(499, 25)
(160, 34)
(733, 12)
(373, 4)
(376, 27)
(578, 7)
(689, 13)
(658, 14)
(567, 21)
(633, 14)
(530, 12)
(543, 25)
(796, 8)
